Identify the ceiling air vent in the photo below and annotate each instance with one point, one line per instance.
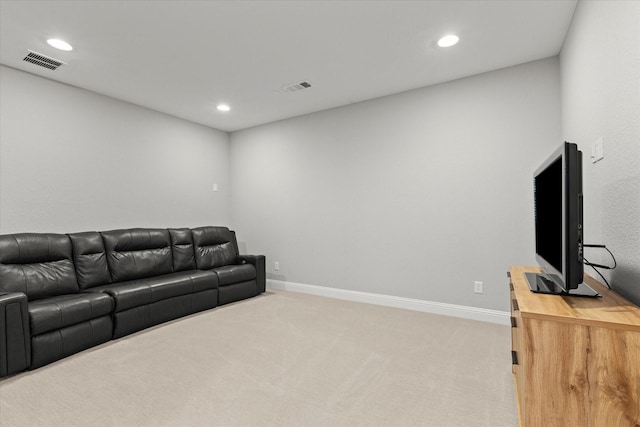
(43, 60)
(296, 87)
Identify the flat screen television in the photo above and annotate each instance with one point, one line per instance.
(557, 192)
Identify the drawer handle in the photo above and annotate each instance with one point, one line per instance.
(514, 357)
(514, 302)
(513, 322)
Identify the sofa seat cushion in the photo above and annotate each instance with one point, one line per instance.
(135, 293)
(231, 274)
(58, 312)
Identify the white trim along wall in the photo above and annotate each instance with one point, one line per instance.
(462, 311)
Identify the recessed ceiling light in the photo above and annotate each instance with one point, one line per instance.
(60, 44)
(223, 107)
(448, 40)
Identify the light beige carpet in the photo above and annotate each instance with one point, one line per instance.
(281, 359)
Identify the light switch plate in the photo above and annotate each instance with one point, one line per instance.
(597, 150)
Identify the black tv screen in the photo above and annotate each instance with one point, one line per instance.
(557, 196)
(548, 213)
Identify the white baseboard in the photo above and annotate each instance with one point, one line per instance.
(474, 313)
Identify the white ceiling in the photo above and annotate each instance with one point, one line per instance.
(185, 57)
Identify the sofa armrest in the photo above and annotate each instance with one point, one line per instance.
(15, 339)
(258, 262)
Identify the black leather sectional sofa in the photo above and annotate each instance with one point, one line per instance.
(64, 293)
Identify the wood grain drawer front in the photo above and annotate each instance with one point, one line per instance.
(577, 358)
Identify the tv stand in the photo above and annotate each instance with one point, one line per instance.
(575, 360)
(540, 284)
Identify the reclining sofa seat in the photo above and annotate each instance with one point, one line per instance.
(61, 294)
(239, 277)
(137, 269)
(37, 273)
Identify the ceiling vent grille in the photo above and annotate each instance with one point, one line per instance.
(296, 87)
(43, 60)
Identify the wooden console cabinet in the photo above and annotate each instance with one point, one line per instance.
(576, 361)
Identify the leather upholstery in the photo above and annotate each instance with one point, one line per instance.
(38, 265)
(235, 273)
(15, 348)
(139, 292)
(137, 253)
(259, 262)
(144, 316)
(182, 249)
(55, 345)
(90, 259)
(236, 292)
(214, 247)
(65, 310)
(234, 241)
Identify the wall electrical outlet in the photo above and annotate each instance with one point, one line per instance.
(477, 287)
(276, 266)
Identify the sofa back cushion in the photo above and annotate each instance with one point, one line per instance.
(182, 249)
(137, 253)
(214, 247)
(39, 265)
(90, 259)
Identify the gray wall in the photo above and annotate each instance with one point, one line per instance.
(414, 195)
(73, 160)
(600, 63)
